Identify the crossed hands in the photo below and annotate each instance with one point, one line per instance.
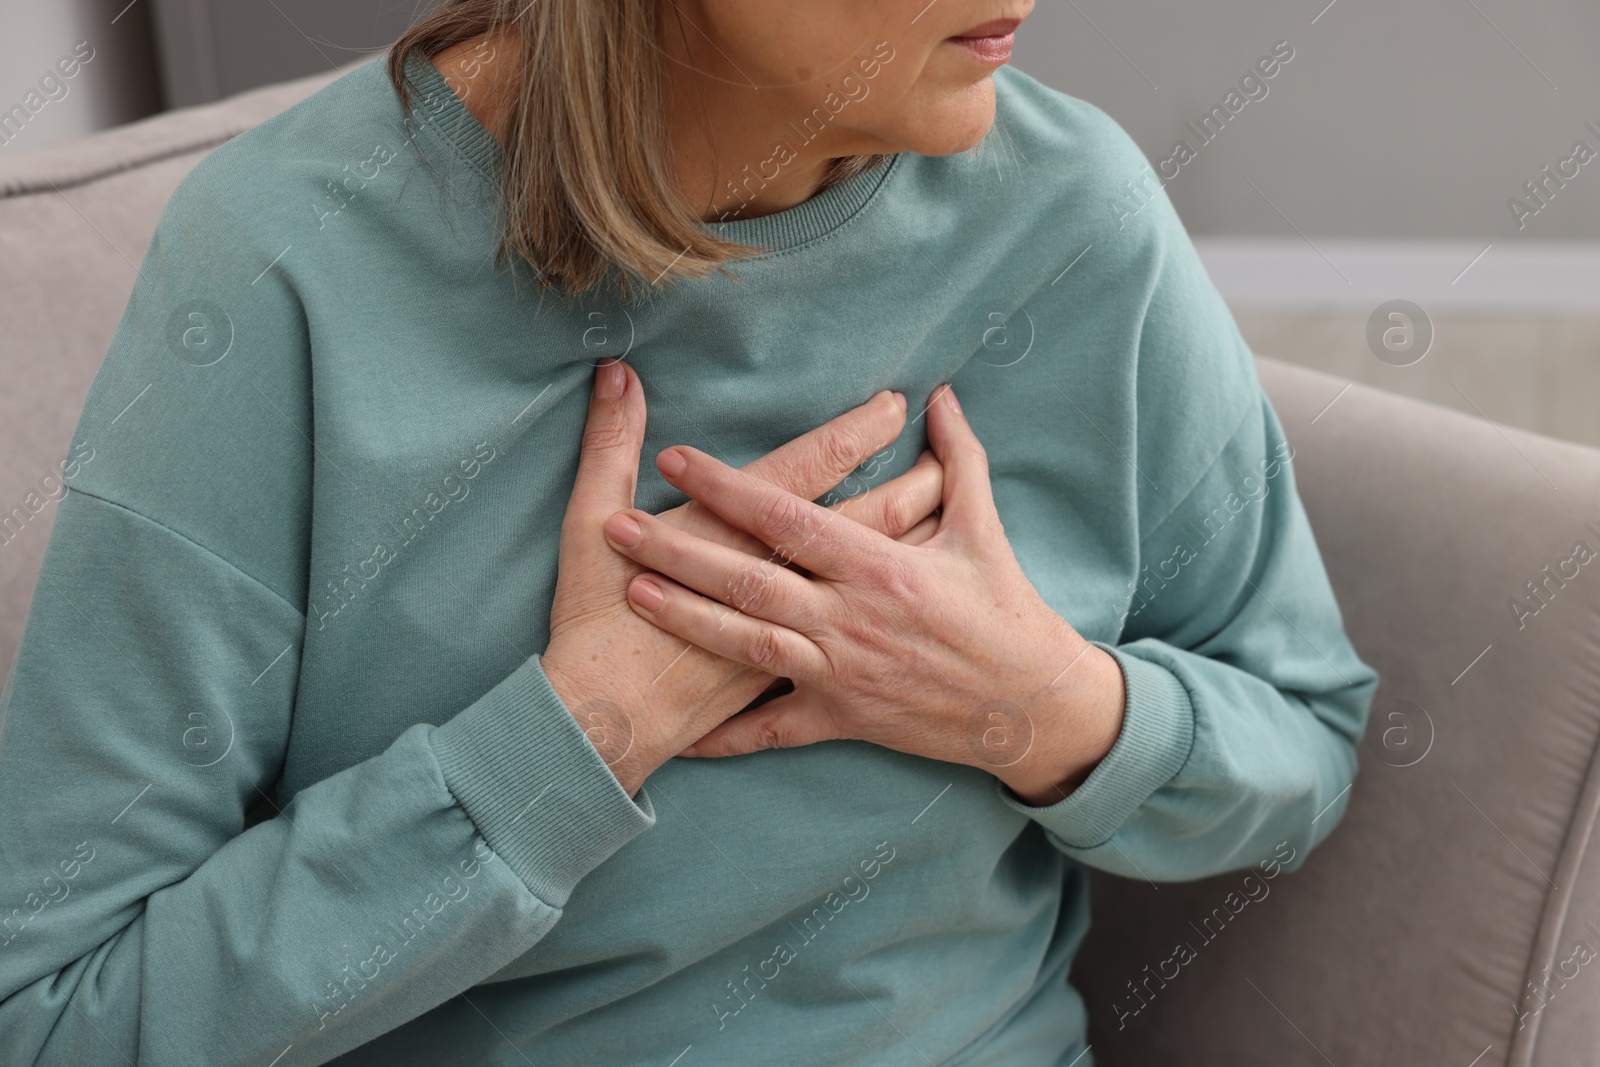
(900, 616)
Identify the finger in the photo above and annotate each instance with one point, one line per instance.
(820, 540)
(900, 503)
(722, 631)
(759, 587)
(608, 463)
(968, 501)
(613, 434)
(789, 721)
(815, 462)
(921, 533)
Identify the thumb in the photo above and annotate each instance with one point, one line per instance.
(967, 507)
(608, 463)
(790, 721)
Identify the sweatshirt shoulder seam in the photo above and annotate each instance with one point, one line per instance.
(191, 541)
(1221, 451)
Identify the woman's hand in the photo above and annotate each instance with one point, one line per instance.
(940, 649)
(641, 694)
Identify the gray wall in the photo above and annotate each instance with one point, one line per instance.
(214, 48)
(1393, 121)
(118, 84)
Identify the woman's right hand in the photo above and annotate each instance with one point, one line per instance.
(641, 694)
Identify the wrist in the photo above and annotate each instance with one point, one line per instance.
(1076, 722)
(608, 723)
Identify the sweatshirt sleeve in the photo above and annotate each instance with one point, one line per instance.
(157, 904)
(1245, 699)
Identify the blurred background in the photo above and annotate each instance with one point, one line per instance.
(1407, 201)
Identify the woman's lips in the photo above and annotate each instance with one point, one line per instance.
(990, 42)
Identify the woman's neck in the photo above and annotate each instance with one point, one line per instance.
(720, 131)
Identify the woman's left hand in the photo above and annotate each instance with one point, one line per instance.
(942, 649)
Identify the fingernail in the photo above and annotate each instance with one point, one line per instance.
(610, 380)
(623, 529)
(672, 462)
(950, 398)
(900, 398)
(646, 594)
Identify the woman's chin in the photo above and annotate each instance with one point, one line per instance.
(960, 122)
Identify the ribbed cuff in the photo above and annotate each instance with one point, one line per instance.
(519, 764)
(1157, 733)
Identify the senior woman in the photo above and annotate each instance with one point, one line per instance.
(515, 616)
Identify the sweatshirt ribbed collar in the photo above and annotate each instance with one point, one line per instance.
(443, 112)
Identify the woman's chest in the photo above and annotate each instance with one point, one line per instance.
(445, 467)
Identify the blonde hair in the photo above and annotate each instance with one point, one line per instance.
(586, 151)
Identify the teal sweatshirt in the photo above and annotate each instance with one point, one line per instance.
(284, 782)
